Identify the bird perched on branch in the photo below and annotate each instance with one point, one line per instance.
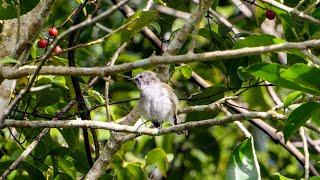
(157, 102)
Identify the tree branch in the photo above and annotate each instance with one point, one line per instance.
(11, 73)
(142, 130)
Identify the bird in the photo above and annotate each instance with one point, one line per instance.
(157, 103)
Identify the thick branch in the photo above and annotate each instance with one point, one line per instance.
(11, 73)
(131, 129)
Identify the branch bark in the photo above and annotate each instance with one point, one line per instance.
(12, 73)
(142, 130)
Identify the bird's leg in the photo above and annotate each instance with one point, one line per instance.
(156, 123)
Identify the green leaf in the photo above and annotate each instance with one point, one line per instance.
(71, 136)
(33, 51)
(215, 4)
(314, 178)
(158, 158)
(186, 71)
(313, 28)
(303, 75)
(60, 151)
(278, 176)
(298, 117)
(80, 161)
(143, 18)
(263, 40)
(291, 97)
(242, 163)
(134, 171)
(156, 26)
(48, 96)
(258, 40)
(8, 8)
(33, 172)
(243, 75)
(294, 77)
(63, 176)
(8, 60)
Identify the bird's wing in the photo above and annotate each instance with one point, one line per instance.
(175, 103)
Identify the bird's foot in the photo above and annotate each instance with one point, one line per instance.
(156, 123)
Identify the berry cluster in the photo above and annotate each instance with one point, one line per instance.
(43, 43)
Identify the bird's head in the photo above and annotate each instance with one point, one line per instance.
(146, 78)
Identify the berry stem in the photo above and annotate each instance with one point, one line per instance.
(253, 2)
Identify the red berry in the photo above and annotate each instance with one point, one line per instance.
(53, 32)
(270, 14)
(42, 43)
(57, 49)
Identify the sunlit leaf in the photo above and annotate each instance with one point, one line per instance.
(298, 117)
(135, 171)
(291, 97)
(158, 158)
(278, 176)
(243, 163)
(186, 71)
(294, 77)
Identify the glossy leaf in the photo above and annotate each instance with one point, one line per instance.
(158, 158)
(258, 40)
(291, 78)
(291, 97)
(298, 117)
(186, 71)
(278, 176)
(242, 163)
(135, 171)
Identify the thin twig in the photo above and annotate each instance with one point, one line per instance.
(306, 153)
(148, 6)
(108, 78)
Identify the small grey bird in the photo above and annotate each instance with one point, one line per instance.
(157, 102)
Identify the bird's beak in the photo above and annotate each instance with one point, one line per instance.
(133, 79)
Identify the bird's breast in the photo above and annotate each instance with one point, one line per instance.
(155, 102)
